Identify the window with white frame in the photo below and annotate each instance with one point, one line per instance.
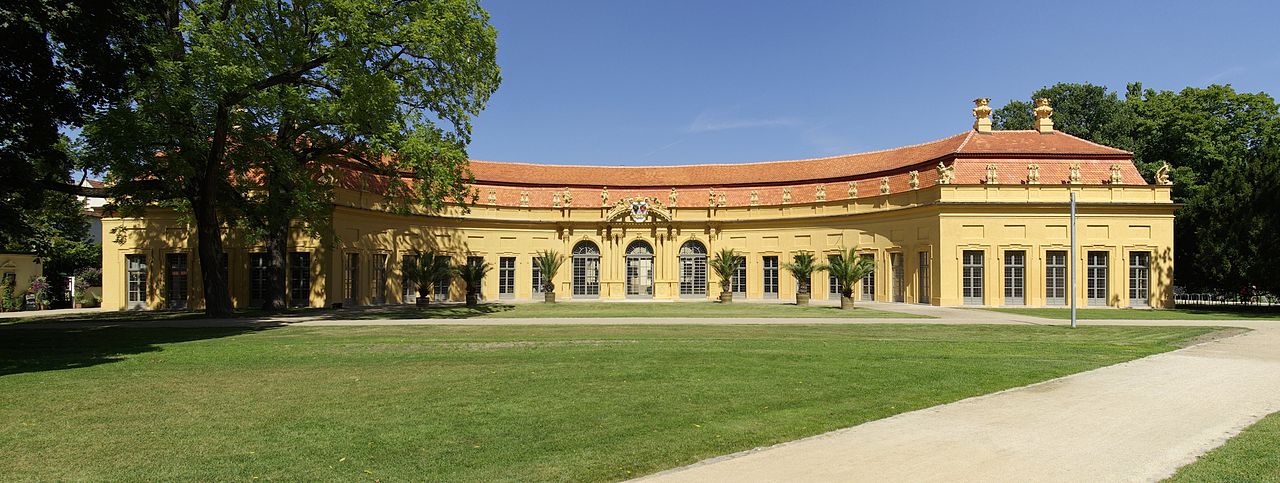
(971, 277)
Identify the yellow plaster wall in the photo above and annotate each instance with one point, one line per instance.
(939, 221)
(24, 267)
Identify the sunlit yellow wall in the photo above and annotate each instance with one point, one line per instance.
(24, 267)
(939, 221)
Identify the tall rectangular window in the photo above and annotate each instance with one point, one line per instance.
(923, 294)
(899, 276)
(1139, 279)
(351, 289)
(408, 288)
(136, 280)
(440, 289)
(971, 276)
(378, 278)
(869, 281)
(833, 283)
(738, 283)
(176, 280)
(537, 280)
(507, 277)
(1015, 269)
(1055, 277)
(476, 261)
(299, 279)
(257, 279)
(770, 277)
(1096, 278)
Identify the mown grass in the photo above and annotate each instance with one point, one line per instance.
(1251, 456)
(489, 403)
(1255, 313)
(561, 310)
(622, 309)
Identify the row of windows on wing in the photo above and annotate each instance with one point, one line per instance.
(1097, 269)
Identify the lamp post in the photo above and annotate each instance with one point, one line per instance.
(1072, 291)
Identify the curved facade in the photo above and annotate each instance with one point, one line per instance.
(978, 218)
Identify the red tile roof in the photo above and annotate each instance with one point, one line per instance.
(850, 166)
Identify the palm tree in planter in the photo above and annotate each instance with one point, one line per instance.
(549, 263)
(725, 263)
(802, 268)
(472, 274)
(429, 270)
(848, 269)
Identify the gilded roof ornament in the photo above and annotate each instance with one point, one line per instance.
(993, 176)
(946, 174)
(914, 179)
(982, 114)
(1043, 112)
(884, 185)
(853, 189)
(1033, 174)
(1162, 175)
(820, 193)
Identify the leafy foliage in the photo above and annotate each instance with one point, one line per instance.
(802, 268)
(549, 262)
(472, 274)
(63, 61)
(260, 109)
(848, 269)
(725, 263)
(429, 269)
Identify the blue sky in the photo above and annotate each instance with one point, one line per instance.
(674, 82)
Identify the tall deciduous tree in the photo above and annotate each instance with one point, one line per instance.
(62, 61)
(254, 101)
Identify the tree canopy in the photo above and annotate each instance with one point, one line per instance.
(253, 105)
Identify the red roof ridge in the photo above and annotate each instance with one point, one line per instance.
(1093, 143)
(966, 141)
(749, 163)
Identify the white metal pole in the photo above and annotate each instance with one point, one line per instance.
(1072, 292)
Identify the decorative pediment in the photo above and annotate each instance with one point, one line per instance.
(638, 210)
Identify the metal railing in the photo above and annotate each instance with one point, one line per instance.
(1256, 298)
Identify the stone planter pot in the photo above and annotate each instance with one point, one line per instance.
(726, 297)
(802, 299)
(846, 303)
(549, 297)
(473, 299)
(423, 301)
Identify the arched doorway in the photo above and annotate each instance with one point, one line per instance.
(586, 270)
(639, 270)
(693, 269)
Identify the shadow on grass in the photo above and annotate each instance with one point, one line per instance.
(1242, 311)
(52, 349)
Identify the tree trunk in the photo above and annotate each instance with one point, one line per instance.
(217, 302)
(277, 248)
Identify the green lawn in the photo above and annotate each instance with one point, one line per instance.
(623, 309)
(1264, 313)
(1251, 456)
(498, 310)
(483, 403)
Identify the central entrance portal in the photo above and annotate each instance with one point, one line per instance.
(639, 270)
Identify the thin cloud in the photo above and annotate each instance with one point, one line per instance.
(708, 122)
(1224, 74)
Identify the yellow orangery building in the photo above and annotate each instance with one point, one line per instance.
(978, 218)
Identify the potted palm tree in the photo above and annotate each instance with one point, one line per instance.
(802, 268)
(848, 269)
(725, 263)
(472, 274)
(429, 270)
(549, 263)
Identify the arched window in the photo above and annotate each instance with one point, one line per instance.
(586, 270)
(639, 269)
(693, 269)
